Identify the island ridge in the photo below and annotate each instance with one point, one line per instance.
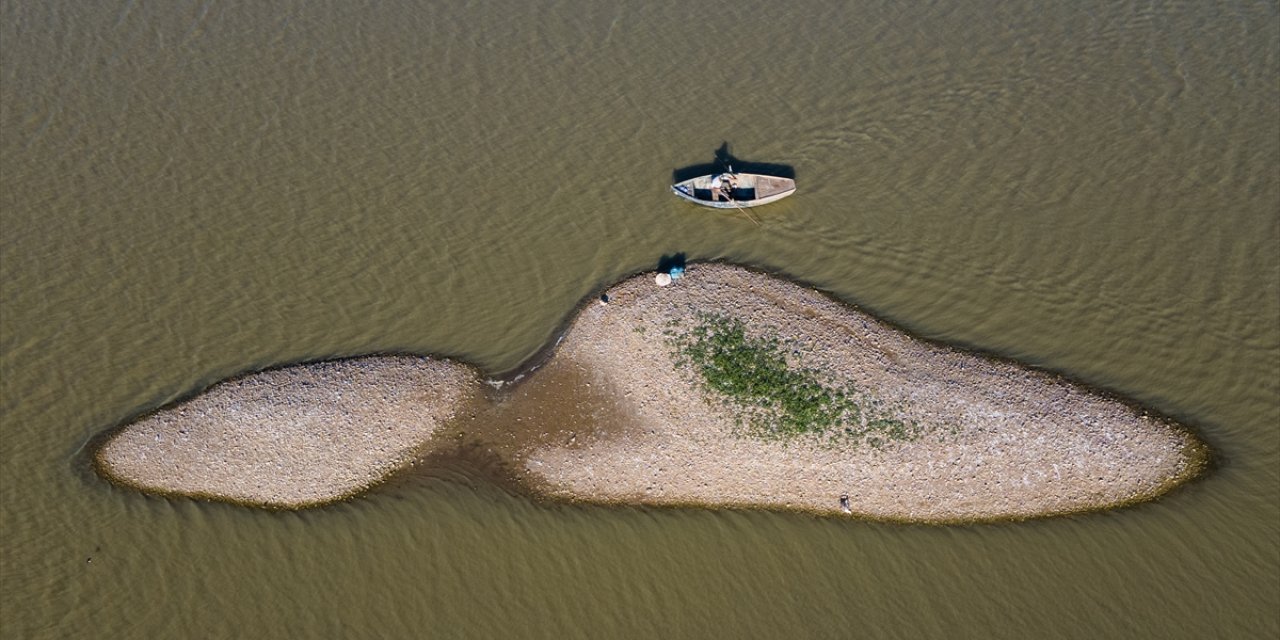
(728, 388)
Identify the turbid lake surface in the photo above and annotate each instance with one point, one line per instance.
(193, 190)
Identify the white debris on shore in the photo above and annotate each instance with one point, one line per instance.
(291, 437)
(999, 441)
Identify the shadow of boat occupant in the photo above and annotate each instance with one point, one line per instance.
(724, 160)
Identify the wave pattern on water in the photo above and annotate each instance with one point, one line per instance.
(188, 191)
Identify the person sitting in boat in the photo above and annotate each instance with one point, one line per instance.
(716, 187)
(730, 183)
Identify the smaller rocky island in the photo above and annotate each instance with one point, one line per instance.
(292, 437)
(725, 388)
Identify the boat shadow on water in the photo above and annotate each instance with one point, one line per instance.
(724, 160)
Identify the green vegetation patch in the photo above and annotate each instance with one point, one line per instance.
(775, 400)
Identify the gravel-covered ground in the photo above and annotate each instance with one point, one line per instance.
(997, 440)
(612, 418)
(294, 436)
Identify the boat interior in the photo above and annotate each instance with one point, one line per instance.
(746, 186)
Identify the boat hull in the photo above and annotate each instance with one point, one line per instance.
(751, 190)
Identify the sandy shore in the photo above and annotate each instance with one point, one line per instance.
(292, 437)
(996, 440)
(612, 417)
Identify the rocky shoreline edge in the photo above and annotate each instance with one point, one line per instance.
(684, 395)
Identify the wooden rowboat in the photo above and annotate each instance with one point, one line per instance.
(734, 190)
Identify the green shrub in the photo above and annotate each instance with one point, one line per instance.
(772, 399)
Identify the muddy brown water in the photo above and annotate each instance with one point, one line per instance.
(193, 190)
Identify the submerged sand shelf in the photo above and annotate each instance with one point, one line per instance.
(989, 439)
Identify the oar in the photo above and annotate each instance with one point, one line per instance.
(735, 204)
(744, 212)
